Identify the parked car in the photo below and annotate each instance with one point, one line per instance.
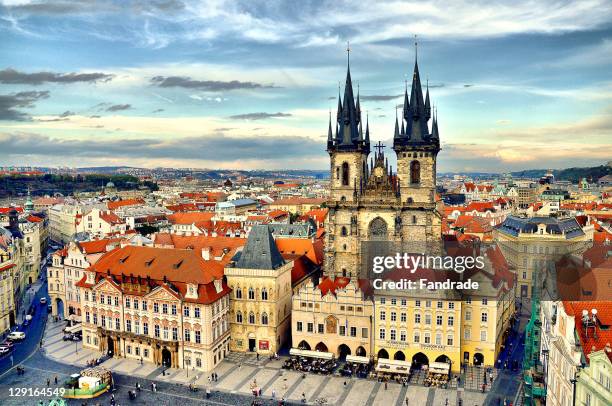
(4, 350)
(16, 336)
(27, 322)
(7, 343)
(43, 300)
(68, 337)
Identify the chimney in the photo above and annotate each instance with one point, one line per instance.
(206, 253)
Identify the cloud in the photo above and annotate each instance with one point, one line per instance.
(207, 85)
(67, 113)
(9, 103)
(12, 76)
(259, 116)
(157, 111)
(381, 97)
(217, 147)
(119, 107)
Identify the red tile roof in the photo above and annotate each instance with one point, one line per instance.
(591, 342)
(122, 203)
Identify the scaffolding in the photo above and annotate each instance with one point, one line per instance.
(533, 375)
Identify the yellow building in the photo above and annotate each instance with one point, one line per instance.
(529, 244)
(7, 269)
(421, 329)
(334, 316)
(260, 315)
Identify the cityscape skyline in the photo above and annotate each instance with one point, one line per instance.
(229, 85)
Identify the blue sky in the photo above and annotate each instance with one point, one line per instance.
(233, 84)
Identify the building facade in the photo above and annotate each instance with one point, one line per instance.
(165, 306)
(260, 280)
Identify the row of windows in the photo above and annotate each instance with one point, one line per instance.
(393, 336)
(428, 303)
(251, 318)
(450, 321)
(137, 304)
(251, 294)
(342, 330)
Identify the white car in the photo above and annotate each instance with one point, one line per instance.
(16, 336)
(4, 350)
(43, 300)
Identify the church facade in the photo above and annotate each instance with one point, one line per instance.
(370, 203)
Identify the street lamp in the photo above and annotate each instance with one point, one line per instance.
(574, 381)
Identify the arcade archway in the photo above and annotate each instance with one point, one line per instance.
(343, 351)
(419, 359)
(321, 347)
(303, 345)
(383, 354)
(400, 356)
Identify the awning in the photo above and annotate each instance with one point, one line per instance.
(392, 366)
(311, 354)
(439, 367)
(357, 359)
(74, 317)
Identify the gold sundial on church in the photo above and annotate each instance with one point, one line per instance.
(378, 172)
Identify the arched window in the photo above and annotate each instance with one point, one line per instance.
(264, 294)
(378, 229)
(264, 318)
(252, 318)
(344, 272)
(344, 231)
(251, 294)
(415, 172)
(238, 293)
(239, 317)
(345, 174)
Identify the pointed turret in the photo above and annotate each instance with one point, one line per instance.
(330, 136)
(427, 106)
(406, 111)
(416, 115)
(435, 135)
(396, 133)
(367, 135)
(349, 134)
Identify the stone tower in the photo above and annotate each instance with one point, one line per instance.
(368, 201)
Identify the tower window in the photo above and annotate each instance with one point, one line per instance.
(344, 231)
(415, 172)
(337, 172)
(414, 220)
(345, 174)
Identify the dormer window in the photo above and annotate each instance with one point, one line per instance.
(192, 291)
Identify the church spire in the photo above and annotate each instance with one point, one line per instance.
(367, 134)
(427, 106)
(330, 137)
(435, 135)
(396, 133)
(406, 112)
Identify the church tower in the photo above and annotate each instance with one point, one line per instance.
(416, 146)
(369, 202)
(348, 149)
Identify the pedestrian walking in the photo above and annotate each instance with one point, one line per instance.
(48, 382)
(484, 386)
(406, 400)
(209, 379)
(385, 385)
(154, 387)
(273, 394)
(55, 379)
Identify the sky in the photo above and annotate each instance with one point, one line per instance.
(249, 84)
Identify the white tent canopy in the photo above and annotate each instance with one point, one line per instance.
(311, 354)
(439, 367)
(357, 359)
(393, 366)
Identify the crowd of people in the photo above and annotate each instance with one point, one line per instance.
(317, 366)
